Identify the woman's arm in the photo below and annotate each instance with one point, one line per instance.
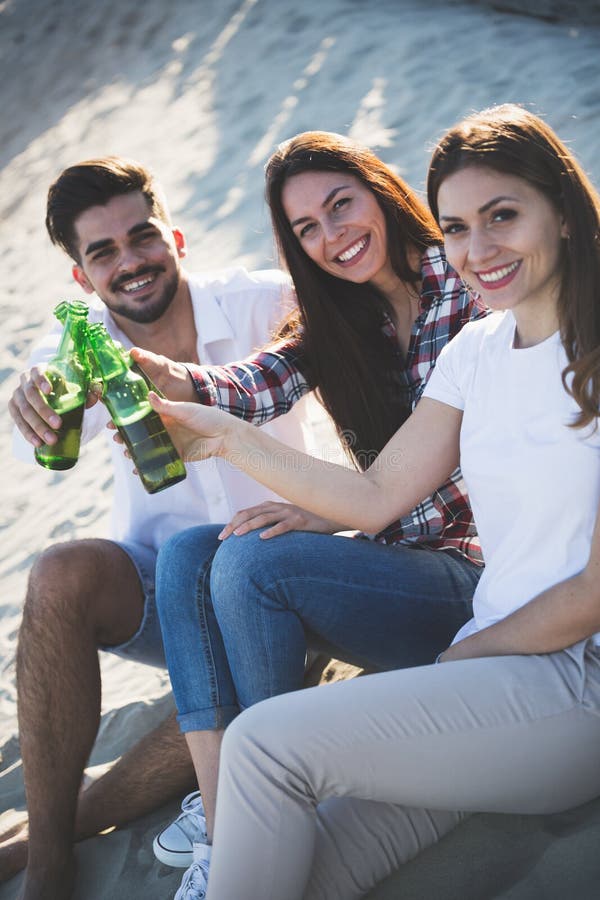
(560, 616)
(417, 459)
(257, 389)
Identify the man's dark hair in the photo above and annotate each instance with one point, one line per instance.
(93, 183)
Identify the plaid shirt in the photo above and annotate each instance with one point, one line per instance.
(268, 384)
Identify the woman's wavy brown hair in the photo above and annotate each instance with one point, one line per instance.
(339, 323)
(511, 140)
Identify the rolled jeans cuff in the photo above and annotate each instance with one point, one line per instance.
(211, 719)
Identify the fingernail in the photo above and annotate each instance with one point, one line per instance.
(221, 535)
(54, 422)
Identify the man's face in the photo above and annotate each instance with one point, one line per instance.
(129, 258)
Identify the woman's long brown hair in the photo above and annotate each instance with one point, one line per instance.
(514, 141)
(339, 323)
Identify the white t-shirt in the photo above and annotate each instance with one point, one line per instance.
(533, 482)
(235, 312)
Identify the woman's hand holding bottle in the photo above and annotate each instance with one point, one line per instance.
(197, 431)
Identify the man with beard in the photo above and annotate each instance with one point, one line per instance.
(110, 217)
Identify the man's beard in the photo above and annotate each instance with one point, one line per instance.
(150, 310)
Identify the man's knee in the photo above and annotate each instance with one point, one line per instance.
(68, 582)
(56, 578)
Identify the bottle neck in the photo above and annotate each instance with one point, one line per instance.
(110, 364)
(108, 360)
(72, 339)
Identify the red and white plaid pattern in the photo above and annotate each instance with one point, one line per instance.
(268, 384)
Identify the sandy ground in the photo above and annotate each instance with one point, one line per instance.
(202, 91)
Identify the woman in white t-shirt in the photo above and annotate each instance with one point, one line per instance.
(322, 793)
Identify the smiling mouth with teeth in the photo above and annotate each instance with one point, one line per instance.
(498, 274)
(129, 284)
(136, 285)
(351, 252)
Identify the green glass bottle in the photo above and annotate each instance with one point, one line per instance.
(69, 375)
(125, 394)
(135, 367)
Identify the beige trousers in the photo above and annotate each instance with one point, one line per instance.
(324, 792)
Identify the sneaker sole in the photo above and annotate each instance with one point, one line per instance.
(176, 859)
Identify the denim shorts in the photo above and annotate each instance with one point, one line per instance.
(146, 645)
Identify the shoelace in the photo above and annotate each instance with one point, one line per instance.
(193, 883)
(192, 809)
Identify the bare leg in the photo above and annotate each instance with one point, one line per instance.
(204, 748)
(153, 772)
(80, 595)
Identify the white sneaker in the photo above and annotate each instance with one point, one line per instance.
(174, 845)
(194, 882)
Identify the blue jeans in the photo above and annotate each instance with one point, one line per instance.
(237, 622)
(145, 645)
